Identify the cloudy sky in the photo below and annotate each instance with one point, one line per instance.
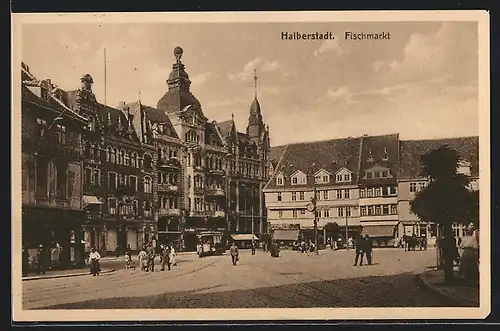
(422, 83)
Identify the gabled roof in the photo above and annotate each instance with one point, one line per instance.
(411, 150)
(322, 170)
(330, 155)
(112, 127)
(379, 147)
(211, 130)
(225, 127)
(342, 169)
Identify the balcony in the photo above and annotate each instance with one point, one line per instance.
(217, 213)
(171, 163)
(219, 192)
(216, 172)
(197, 213)
(167, 188)
(169, 212)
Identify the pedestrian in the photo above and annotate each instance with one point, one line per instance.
(143, 259)
(41, 260)
(151, 257)
(253, 248)
(94, 258)
(172, 256)
(350, 242)
(368, 248)
(359, 246)
(234, 253)
(165, 257)
(128, 250)
(469, 267)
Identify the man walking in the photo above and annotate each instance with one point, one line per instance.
(368, 248)
(234, 253)
(253, 248)
(359, 250)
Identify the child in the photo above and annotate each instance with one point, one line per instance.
(128, 261)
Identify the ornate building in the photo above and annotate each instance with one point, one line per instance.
(52, 166)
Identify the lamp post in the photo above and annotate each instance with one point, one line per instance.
(312, 208)
(228, 192)
(347, 227)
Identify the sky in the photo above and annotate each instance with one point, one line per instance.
(422, 83)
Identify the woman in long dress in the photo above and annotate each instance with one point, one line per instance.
(143, 259)
(469, 268)
(173, 260)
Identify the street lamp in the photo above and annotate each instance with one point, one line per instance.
(347, 226)
(312, 208)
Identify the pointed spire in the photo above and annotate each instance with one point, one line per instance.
(255, 79)
(232, 117)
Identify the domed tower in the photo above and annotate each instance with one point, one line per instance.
(178, 95)
(256, 127)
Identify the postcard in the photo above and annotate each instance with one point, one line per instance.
(251, 166)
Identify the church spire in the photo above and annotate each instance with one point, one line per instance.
(255, 78)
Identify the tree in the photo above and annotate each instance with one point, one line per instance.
(446, 200)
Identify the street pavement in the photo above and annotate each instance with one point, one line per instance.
(293, 280)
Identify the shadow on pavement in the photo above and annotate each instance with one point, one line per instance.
(376, 291)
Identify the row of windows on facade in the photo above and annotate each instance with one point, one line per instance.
(416, 187)
(375, 210)
(301, 179)
(113, 155)
(246, 151)
(320, 195)
(215, 163)
(93, 178)
(201, 205)
(130, 209)
(59, 136)
(53, 179)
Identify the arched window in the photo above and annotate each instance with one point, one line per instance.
(98, 150)
(92, 151)
(126, 160)
(108, 154)
(113, 155)
(147, 161)
(121, 159)
(133, 160)
(148, 187)
(91, 124)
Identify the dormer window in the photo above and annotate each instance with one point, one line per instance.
(385, 156)
(280, 179)
(347, 178)
(344, 175)
(339, 178)
(299, 178)
(322, 177)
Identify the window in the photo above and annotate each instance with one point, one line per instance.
(279, 196)
(113, 155)
(369, 193)
(112, 206)
(393, 190)
(302, 212)
(413, 187)
(108, 154)
(362, 210)
(370, 211)
(348, 211)
(339, 178)
(147, 162)
(326, 212)
(347, 178)
(301, 195)
(133, 183)
(339, 194)
(376, 174)
(385, 209)
(40, 127)
(325, 179)
(385, 174)
(325, 195)
(294, 214)
(62, 181)
(378, 192)
(369, 175)
(317, 179)
(133, 160)
(280, 214)
(279, 180)
(294, 180)
(347, 194)
(377, 210)
(294, 196)
(394, 209)
(121, 158)
(340, 212)
(112, 180)
(421, 185)
(61, 134)
(362, 193)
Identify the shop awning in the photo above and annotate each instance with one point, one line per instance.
(242, 237)
(286, 235)
(90, 200)
(378, 230)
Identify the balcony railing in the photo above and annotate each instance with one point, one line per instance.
(216, 191)
(169, 163)
(218, 172)
(169, 212)
(167, 188)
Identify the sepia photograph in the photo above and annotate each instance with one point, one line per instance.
(250, 166)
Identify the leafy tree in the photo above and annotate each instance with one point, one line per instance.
(445, 200)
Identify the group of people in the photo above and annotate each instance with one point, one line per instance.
(148, 254)
(363, 247)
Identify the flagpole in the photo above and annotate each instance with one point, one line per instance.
(105, 77)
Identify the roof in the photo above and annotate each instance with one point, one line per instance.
(225, 127)
(330, 155)
(411, 150)
(126, 127)
(275, 153)
(211, 131)
(384, 152)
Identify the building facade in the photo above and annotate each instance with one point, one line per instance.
(52, 169)
(363, 184)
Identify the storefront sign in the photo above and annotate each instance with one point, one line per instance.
(284, 226)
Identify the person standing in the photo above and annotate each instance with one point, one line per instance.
(41, 260)
(234, 253)
(94, 258)
(165, 257)
(143, 259)
(171, 255)
(151, 257)
(469, 266)
(253, 248)
(368, 249)
(359, 250)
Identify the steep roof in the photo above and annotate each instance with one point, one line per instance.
(225, 127)
(275, 153)
(384, 152)
(411, 150)
(330, 155)
(115, 115)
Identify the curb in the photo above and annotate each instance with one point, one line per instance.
(105, 271)
(447, 298)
